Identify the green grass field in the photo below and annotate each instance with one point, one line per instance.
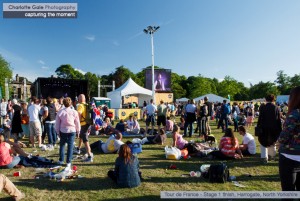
(95, 185)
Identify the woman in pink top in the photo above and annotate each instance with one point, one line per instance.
(67, 125)
(7, 149)
(178, 140)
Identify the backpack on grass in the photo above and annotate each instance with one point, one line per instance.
(218, 173)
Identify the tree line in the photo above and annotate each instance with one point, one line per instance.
(182, 86)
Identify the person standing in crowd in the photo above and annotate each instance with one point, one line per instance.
(151, 109)
(248, 146)
(43, 105)
(210, 110)
(67, 125)
(16, 127)
(225, 112)
(10, 188)
(126, 173)
(9, 109)
(235, 114)
(190, 115)
(289, 149)
(3, 111)
(35, 128)
(25, 119)
(161, 114)
(269, 121)
(83, 136)
(49, 117)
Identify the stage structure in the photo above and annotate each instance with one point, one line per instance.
(59, 87)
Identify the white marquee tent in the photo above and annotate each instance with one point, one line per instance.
(212, 98)
(128, 88)
(182, 100)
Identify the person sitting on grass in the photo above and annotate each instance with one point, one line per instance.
(178, 140)
(159, 138)
(248, 146)
(121, 126)
(112, 145)
(228, 147)
(133, 126)
(8, 154)
(106, 126)
(126, 173)
(169, 124)
(10, 188)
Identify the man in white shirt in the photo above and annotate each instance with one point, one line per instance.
(34, 121)
(3, 110)
(151, 109)
(248, 146)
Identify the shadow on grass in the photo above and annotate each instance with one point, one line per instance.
(68, 184)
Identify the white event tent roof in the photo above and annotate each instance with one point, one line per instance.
(128, 88)
(212, 98)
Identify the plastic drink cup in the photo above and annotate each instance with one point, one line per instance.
(17, 174)
(75, 168)
(193, 174)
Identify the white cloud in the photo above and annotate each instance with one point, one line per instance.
(45, 67)
(90, 37)
(81, 71)
(41, 62)
(136, 35)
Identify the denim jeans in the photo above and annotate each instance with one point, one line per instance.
(289, 171)
(224, 122)
(16, 160)
(69, 139)
(190, 125)
(50, 130)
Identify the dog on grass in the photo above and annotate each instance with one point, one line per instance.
(210, 139)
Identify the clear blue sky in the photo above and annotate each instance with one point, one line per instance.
(249, 40)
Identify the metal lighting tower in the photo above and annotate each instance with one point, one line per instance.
(151, 30)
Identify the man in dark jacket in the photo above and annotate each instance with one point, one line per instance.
(269, 121)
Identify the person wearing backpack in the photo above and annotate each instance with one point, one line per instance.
(225, 111)
(83, 135)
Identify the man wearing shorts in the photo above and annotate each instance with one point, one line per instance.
(150, 111)
(83, 135)
(35, 128)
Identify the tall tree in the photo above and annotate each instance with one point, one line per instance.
(262, 89)
(5, 72)
(295, 80)
(68, 72)
(121, 75)
(229, 87)
(92, 84)
(177, 86)
(283, 82)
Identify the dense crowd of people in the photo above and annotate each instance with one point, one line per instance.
(62, 121)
